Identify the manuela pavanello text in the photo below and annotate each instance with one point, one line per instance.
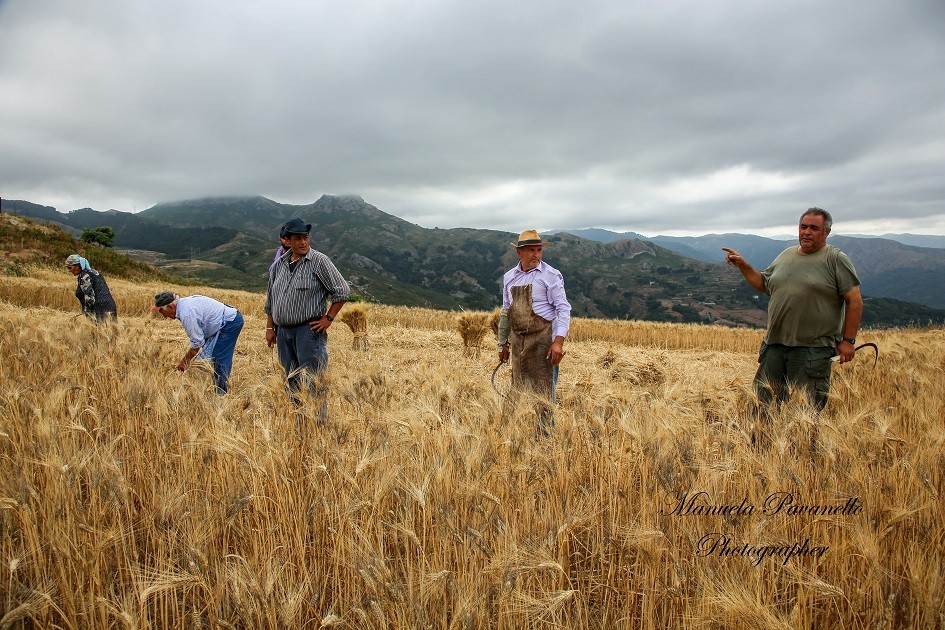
(777, 504)
(784, 503)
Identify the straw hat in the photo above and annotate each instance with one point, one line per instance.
(528, 238)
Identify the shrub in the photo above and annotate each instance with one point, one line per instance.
(103, 235)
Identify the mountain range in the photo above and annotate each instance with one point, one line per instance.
(608, 236)
(887, 266)
(229, 242)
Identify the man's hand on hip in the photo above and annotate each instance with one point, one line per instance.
(320, 325)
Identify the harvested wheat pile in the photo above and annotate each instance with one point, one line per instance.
(645, 368)
(355, 317)
(494, 322)
(472, 327)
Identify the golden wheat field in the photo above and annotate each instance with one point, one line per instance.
(133, 497)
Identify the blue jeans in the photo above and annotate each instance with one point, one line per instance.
(303, 355)
(222, 355)
(554, 382)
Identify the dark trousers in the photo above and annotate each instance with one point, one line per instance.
(782, 368)
(222, 355)
(102, 315)
(304, 356)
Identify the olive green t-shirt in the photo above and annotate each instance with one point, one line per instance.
(806, 306)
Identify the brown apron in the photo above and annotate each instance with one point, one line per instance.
(529, 344)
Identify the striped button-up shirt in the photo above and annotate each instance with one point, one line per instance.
(302, 295)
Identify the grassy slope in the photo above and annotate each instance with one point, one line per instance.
(24, 242)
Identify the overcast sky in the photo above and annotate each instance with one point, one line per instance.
(656, 116)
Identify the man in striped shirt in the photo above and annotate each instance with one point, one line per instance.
(305, 293)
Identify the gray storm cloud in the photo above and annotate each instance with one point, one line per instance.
(657, 118)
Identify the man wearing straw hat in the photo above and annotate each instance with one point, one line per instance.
(305, 293)
(534, 321)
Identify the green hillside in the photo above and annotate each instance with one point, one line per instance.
(24, 242)
(393, 261)
(229, 243)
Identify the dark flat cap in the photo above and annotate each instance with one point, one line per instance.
(294, 226)
(163, 299)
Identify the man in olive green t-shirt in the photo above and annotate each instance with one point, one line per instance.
(814, 312)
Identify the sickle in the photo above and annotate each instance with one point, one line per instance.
(494, 372)
(868, 344)
(875, 349)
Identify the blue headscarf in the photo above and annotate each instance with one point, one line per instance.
(75, 259)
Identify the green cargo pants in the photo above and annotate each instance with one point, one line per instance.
(783, 368)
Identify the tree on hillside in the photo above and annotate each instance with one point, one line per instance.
(103, 235)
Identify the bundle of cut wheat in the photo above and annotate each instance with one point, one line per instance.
(472, 327)
(356, 319)
(640, 367)
(494, 322)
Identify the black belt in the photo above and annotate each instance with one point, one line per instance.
(311, 321)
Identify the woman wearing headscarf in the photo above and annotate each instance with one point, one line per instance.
(91, 290)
